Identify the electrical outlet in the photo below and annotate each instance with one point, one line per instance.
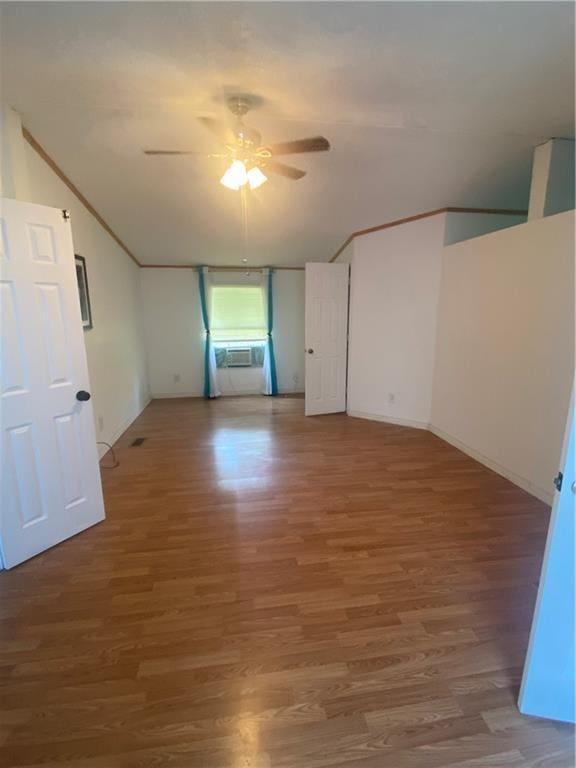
(176, 378)
(295, 378)
(100, 423)
(391, 397)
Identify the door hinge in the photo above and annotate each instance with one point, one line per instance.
(558, 481)
(65, 214)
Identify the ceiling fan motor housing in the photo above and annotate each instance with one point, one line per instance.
(245, 136)
(239, 105)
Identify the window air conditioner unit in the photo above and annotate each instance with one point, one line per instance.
(238, 357)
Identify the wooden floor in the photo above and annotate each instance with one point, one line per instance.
(270, 591)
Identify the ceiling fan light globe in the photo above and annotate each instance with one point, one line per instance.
(235, 176)
(256, 178)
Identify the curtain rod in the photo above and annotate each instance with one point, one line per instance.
(237, 269)
(218, 268)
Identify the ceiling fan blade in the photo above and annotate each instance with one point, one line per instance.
(284, 170)
(313, 144)
(169, 152)
(219, 129)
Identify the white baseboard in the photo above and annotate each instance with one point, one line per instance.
(546, 496)
(168, 395)
(254, 393)
(389, 419)
(241, 393)
(117, 434)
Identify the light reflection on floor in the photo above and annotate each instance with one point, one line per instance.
(247, 737)
(243, 458)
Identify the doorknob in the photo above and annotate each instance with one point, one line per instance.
(558, 481)
(82, 395)
(310, 351)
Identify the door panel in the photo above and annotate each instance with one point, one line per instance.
(21, 464)
(50, 474)
(326, 337)
(70, 456)
(53, 326)
(12, 371)
(42, 245)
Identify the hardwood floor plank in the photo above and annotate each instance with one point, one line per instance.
(413, 714)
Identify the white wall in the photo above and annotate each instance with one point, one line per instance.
(395, 280)
(175, 337)
(173, 332)
(505, 348)
(115, 345)
(289, 329)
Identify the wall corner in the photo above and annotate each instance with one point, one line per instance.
(14, 177)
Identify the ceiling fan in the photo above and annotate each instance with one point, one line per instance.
(249, 159)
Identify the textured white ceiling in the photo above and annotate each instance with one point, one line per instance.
(425, 104)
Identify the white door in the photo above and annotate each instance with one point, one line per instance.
(50, 474)
(326, 337)
(549, 681)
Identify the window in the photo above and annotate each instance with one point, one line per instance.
(237, 313)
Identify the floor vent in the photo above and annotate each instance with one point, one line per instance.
(137, 441)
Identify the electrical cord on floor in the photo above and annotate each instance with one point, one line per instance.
(115, 462)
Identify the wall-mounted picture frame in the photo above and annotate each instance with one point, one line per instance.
(83, 292)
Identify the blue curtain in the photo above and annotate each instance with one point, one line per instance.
(209, 374)
(273, 382)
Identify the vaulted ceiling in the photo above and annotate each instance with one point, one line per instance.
(425, 105)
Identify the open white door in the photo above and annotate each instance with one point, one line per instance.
(549, 681)
(326, 337)
(50, 474)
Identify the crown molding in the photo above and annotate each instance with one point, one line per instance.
(425, 215)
